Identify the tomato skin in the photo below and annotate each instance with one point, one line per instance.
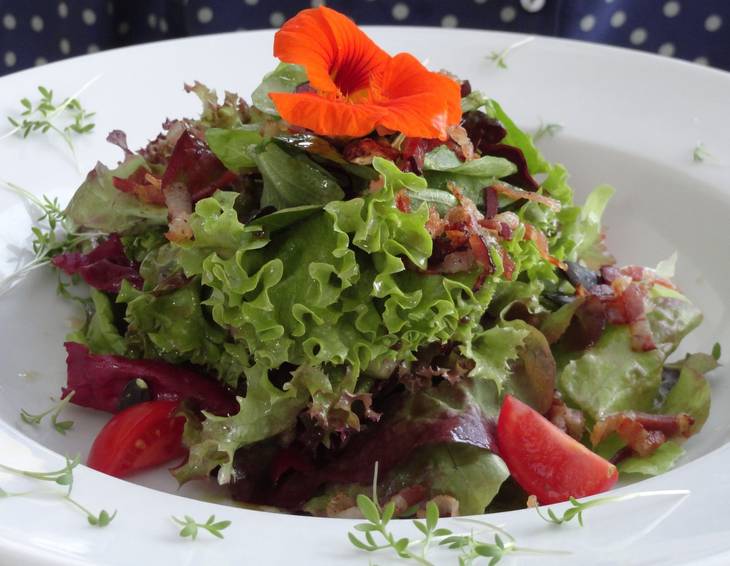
(544, 460)
(143, 436)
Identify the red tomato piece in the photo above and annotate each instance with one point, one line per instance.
(544, 460)
(140, 437)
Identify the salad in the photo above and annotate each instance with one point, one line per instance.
(370, 266)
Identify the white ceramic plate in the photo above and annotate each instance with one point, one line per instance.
(629, 119)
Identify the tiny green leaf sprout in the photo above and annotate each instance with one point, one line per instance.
(700, 153)
(547, 129)
(65, 118)
(499, 58)
(65, 478)
(716, 351)
(190, 527)
(577, 508)
(61, 426)
(471, 548)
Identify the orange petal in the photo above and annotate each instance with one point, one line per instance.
(328, 116)
(338, 57)
(420, 103)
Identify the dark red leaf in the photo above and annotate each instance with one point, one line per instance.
(98, 381)
(104, 267)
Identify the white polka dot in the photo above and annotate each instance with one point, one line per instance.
(587, 23)
(62, 9)
(64, 46)
(36, 23)
(10, 59)
(400, 11)
(92, 48)
(671, 9)
(152, 20)
(163, 25)
(40, 61)
(276, 19)
(89, 17)
(449, 21)
(609, 1)
(317, 3)
(618, 19)
(205, 15)
(667, 49)
(9, 21)
(532, 6)
(638, 36)
(480, 1)
(702, 61)
(252, 2)
(713, 22)
(507, 14)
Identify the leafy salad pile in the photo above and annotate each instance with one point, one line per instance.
(313, 305)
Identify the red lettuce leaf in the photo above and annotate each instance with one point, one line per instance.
(98, 381)
(104, 268)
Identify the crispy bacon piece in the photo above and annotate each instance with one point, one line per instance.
(363, 151)
(515, 193)
(435, 224)
(570, 421)
(532, 233)
(413, 152)
(403, 201)
(461, 138)
(642, 432)
(407, 498)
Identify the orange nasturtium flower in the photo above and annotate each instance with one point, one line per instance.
(357, 86)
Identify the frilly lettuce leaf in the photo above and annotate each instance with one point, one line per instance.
(98, 205)
(493, 349)
(99, 333)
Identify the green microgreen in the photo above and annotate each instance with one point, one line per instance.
(547, 129)
(499, 58)
(716, 351)
(190, 527)
(700, 153)
(577, 508)
(53, 234)
(54, 411)
(65, 118)
(65, 478)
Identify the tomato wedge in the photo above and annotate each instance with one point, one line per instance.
(544, 460)
(140, 437)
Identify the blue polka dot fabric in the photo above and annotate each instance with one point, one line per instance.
(39, 31)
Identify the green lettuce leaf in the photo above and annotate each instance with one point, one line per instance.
(99, 333)
(98, 205)
(691, 394)
(293, 180)
(441, 166)
(285, 78)
(231, 113)
(661, 461)
(232, 146)
(536, 163)
(493, 349)
(671, 317)
(611, 377)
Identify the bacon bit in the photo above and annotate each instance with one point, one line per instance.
(516, 194)
(448, 506)
(642, 339)
(363, 151)
(570, 421)
(645, 275)
(532, 233)
(458, 134)
(407, 498)
(642, 432)
(413, 152)
(507, 264)
(180, 207)
(403, 201)
(143, 185)
(491, 202)
(508, 218)
(609, 273)
(435, 225)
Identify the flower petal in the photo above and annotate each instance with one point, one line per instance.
(328, 116)
(338, 57)
(420, 103)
